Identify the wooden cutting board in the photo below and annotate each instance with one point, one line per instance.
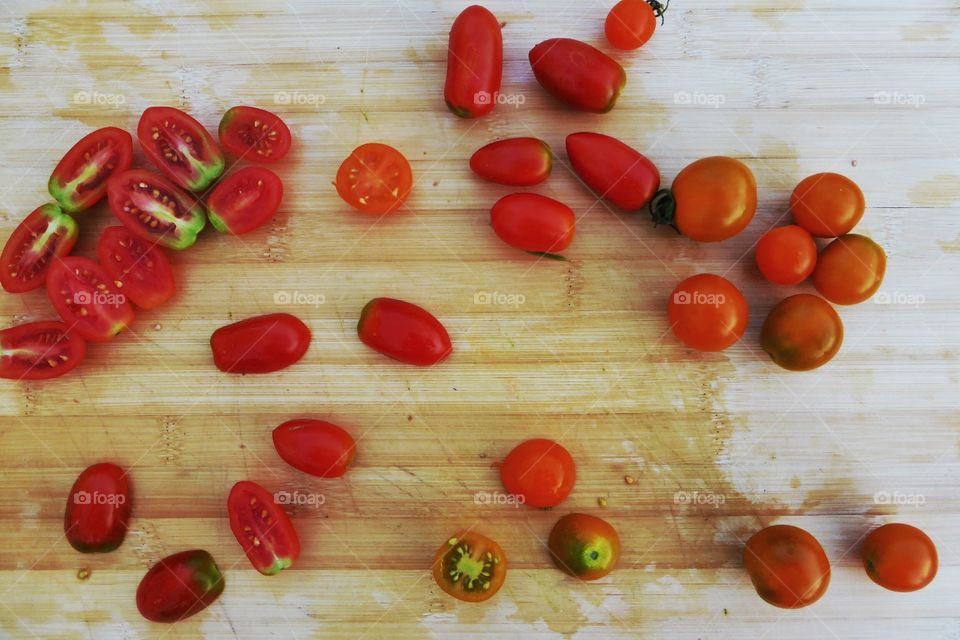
(719, 445)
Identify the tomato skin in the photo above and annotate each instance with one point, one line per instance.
(630, 24)
(714, 199)
(404, 332)
(179, 586)
(44, 236)
(80, 178)
(262, 528)
(474, 63)
(533, 222)
(516, 162)
(787, 566)
(140, 270)
(316, 447)
(827, 204)
(245, 200)
(900, 557)
(255, 134)
(786, 255)
(578, 74)
(461, 562)
(707, 312)
(85, 297)
(376, 179)
(541, 471)
(850, 269)
(584, 546)
(180, 147)
(39, 351)
(156, 209)
(614, 171)
(98, 509)
(802, 332)
(262, 344)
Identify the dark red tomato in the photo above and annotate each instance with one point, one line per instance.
(140, 270)
(900, 557)
(375, 179)
(155, 209)
(787, 255)
(578, 74)
(614, 171)
(787, 566)
(518, 162)
(474, 63)
(80, 179)
(539, 471)
(179, 586)
(39, 351)
(260, 345)
(316, 447)
(180, 147)
(262, 528)
(244, 200)
(404, 332)
(44, 236)
(631, 23)
(254, 134)
(98, 509)
(584, 546)
(85, 297)
(470, 567)
(533, 222)
(802, 332)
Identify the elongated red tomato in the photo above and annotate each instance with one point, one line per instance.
(244, 200)
(260, 345)
(474, 63)
(80, 179)
(316, 447)
(156, 209)
(87, 300)
(140, 270)
(43, 237)
(262, 528)
(39, 351)
(404, 332)
(578, 74)
(614, 171)
(98, 509)
(518, 162)
(179, 586)
(533, 222)
(254, 134)
(180, 147)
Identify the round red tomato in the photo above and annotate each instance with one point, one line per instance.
(470, 567)
(787, 566)
(39, 351)
(850, 269)
(787, 255)
(613, 170)
(140, 270)
(899, 557)
(518, 162)
(262, 528)
(474, 63)
(316, 447)
(375, 179)
(533, 222)
(802, 333)
(44, 236)
(86, 298)
(540, 472)
(179, 586)
(244, 200)
(632, 22)
(254, 134)
(155, 209)
(263, 344)
(827, 204)
(180, 147)
(98, 509)
(404, 332)
(707, 312)
(80, 179)
(578, 74)
(584, 546)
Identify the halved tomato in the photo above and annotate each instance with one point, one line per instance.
(375, 179)
(39, 351)
(470, 567)
(254, 134)
(85, 297)
(80, 179)
(180, 147)
(244, 200)
(262, 528)
(44, 236)
(155, 209)
(140, 270)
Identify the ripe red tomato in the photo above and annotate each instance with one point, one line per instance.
(899, 557)
(827, 204)
(255, 134)
(474, 63)
(180, 147)
(787, 566)
(615, 172)
(87, 300)
(39, 351)
(707, 312)
(262, 344)
(802, 333)
(578, 74)
(375, 179)
(98, 509)
(470, 567)
(539, 471)
(316, 447)
(533, 222)
(787, 255)
(584, 546)
(140, 270)
(262, 528)
(155, 209)
(404, 332)
(518, 162)
(631, 23)
(80, 179)
(244, 200)
(179, 586)
(44, 236)
(850, 269)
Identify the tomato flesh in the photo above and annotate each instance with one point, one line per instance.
(254, 134)
(375, 179)
(470, 567)
(518, 162)
(584, 546)
(787, 566)
(39, 351)
(540, 472)
(155, 209)
(404, 332)
(43, 237)
(614, 171)
(850, 269)
(180, 147)
(80, 179)
(140, 270)
(98, 509)
(900, 557)
(631, 23)
(316, 447)
(533, 222)
(87, 299)
(262, 528)
(244, 200)
(474, 63)
(802, 332)
(707, 312)
(578, 74)
(179, 586)
(262, 344)
(786, 255)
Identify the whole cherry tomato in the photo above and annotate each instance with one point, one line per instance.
(850, 269)
(827, 204)
(245, 200)
(39, 351)
(474, 63)
(179, 586)
(262, 344)
(43, 237)
(787, 255)
(540, 472)
(262, 528)
(139, 268)
(787, 566)
(533, 222)
(614, 171)
(404, 332)
(518, 162)
(375, 179)
(801, 333)
(180, 147)
(899, 557)
(578, 74)
(87, 299)
(80, 179)
(98, 509)
(470, 567)
(707, 312)
(316, 447)
(584, 546)
(632, 22)
(254, 134)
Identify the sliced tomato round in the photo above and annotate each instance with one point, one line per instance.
(375, 179)
(244, 200)
(39, 351)
(156, 209)
(80, 179)
(262, 528)
(180, 147)
(87, 300)
(470, 567)
(254, 134)
(44, 236)
(140, 269)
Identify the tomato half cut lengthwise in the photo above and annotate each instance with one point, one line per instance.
(254, 134)
(140, 270)
(316, 447)
(517, 162)
(85, 297)
(578, 74)
(375, 179)
(262, 344)
(180, 147)
(614, 171)
(179, 586)
(404, 332)
(156, 209)
(533, 222)
(80, 179)
(39, 351)
(470, 567)
(43, 237)
(262, 528)
(474, 63)
(98, 509)
(245, 200)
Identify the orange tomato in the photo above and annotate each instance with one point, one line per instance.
(786, 255)
(801, 333)
(827, 204)
(375, 179)
(850, 269)
(787, 566)
(707, 312)
(900, 557)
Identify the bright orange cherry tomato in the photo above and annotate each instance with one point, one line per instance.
(707, 312)
(787, 255)
(787, 566)
(900, 557)
(850, 269)
(375, 179)
(801, 333)
(827, 204)
(470, 567)
(632, 22)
